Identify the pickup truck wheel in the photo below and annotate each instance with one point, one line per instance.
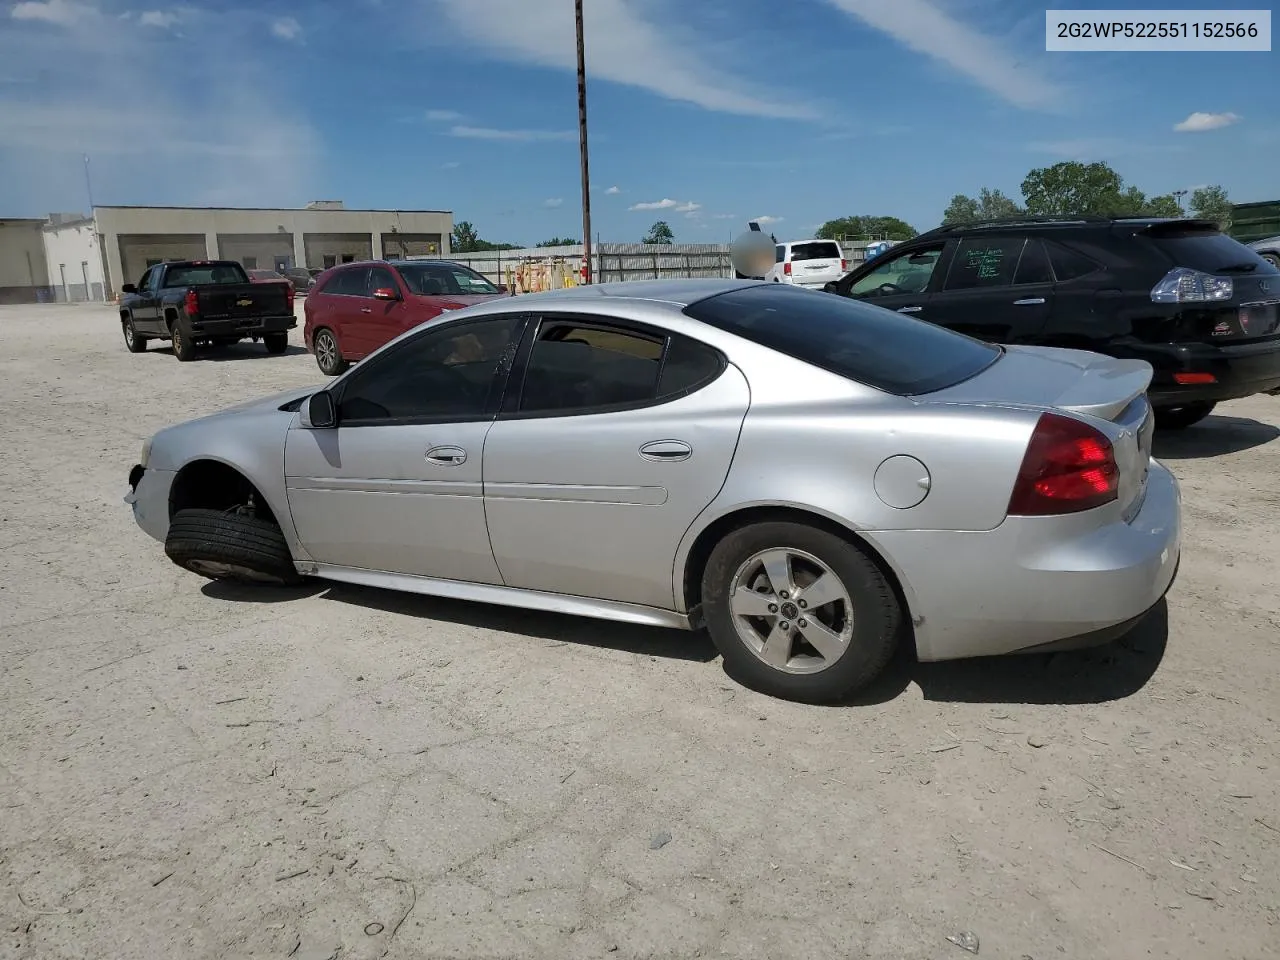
(184, 346)
(1179, 418)
(328, 356)
(230, 545)
(133, 342)
(276, 342)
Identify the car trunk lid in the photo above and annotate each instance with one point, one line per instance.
(816, 262)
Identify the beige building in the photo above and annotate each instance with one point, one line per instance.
(23, 269)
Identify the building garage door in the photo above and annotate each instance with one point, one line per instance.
(139, 250)
(327, 249)
(410, 245)
(257, 251)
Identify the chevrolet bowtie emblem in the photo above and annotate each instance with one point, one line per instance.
(244, 303)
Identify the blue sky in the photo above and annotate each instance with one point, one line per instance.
(704, 114)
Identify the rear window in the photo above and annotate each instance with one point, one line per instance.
(815, 251)
(195, 275)
(1211, 252)
(856, 340)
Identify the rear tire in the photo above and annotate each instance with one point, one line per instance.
(845, 642)
(133, 343)
(1179, 418)
(226, 545)
(184, 346)
(276, 342)
(328, 354)
(1272, 258)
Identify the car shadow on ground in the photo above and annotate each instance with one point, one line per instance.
(1097, 675)
(1213, 437)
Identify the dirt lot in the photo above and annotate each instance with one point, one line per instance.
(192, 771)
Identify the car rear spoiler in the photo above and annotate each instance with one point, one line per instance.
(1181, 225)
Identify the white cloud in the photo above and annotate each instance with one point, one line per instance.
(666, 203)
(451, 165)
(689, 209)
(553, 202)
(523, 136)
(286, 28)
(64, 13)
(443, 116)
(1199, 122)
(766, 220)
(613, 191)
(162, 19)
(657, 54)
(724, 216)
(926, 28)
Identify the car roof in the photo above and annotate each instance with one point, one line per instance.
(679, 293)
(1036, 224)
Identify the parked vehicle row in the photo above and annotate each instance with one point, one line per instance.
(816, 480)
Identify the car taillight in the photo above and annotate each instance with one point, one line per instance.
(1069, 466)
(191, 303)
(786, 268)
(289, 294)
(844, 266)
(1184, 285)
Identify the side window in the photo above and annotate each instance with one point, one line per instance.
(580, 367)
(146, 279)
(982, 262)
(381, 278)
(1034, 265)
(687, 366)
(779, 253)
(906, 273)
(447, 374)
(351, 283)
(156, 276)
(1069, 265)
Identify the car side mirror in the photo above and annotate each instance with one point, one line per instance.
(129, 288)
(385, 293)
(319, 413)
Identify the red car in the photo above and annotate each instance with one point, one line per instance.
(355, 308)
(258, 275)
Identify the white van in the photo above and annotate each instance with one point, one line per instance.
(808, 263)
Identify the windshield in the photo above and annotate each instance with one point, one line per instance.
(444, 279)
(883, 349)
(209, 273)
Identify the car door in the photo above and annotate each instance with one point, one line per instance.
(396, 485)
(384, 315)
(997, 288)
(351, 311)
(613, 438)
(898, 281)
(147, 314)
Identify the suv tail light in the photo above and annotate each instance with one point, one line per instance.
(844, 266)
(1184, 285)
(191, 303)
(289, 294)
(1069, 466)
(786, 268)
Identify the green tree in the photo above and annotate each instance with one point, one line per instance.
(558, 242)
(990, 205)
(660, 232)
(1072, 188)
(466, 239)
(1165, 205)
(1211, 203)
(866, 228)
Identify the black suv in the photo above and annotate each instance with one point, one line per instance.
(1201, 308)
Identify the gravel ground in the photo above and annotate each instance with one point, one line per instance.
(189, 770)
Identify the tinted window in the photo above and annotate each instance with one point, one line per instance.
(146, 279)
(444, 279)
(878, 347)
(209, 273)
(1067, 264)
(687, 366)
(381, 278)
(1212, 252)
(905, 273)
(779, 253)
(444, 374)
(815, 251)
(1034, 265)
(576, 367)
(350, 283)
(984, 262)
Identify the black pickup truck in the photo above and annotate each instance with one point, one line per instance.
(205, 302)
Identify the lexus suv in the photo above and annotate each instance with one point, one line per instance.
(1200, 307)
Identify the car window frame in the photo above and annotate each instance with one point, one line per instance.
(946, 252)
(498, 385)
(1098, 265)
(395, 279)
(342, 272)
(514, 388)
(143, 283)
(1044, 247)
(1021, 238)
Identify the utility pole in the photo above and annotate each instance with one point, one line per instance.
(582, 142)
(88, 183)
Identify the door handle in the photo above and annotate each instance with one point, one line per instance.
(366, 310)
(910, 309)
(666, 450)
(1029, 302)
(447, 456)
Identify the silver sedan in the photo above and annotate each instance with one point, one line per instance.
(814, 479)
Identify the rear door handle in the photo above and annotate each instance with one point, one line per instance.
(1028, 302)
(366, 310)
(666, 450)
(447, 456)
(910, 309)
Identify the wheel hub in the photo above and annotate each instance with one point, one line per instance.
(790, 611)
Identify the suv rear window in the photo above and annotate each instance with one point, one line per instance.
(856, 340)
(1209, 250)
(815, 251)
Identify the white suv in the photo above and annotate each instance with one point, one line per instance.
(808, 263)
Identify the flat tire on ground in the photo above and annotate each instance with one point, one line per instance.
(226, 545)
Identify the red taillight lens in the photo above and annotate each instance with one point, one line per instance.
(786, 268)
(1068, 467)
(844, 266)
(191, 304)
(1188, 378)
(290, 295)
